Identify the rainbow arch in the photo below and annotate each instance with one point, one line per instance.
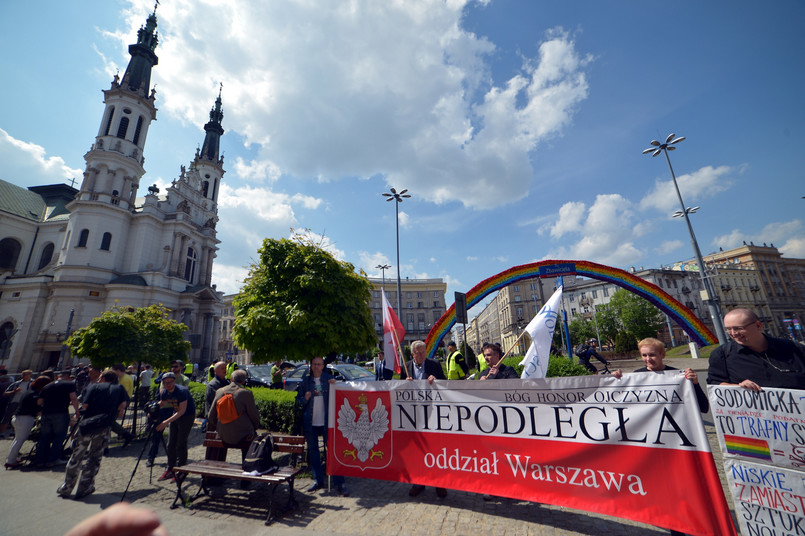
(683, 316)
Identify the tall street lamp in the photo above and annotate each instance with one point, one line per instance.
(397, 197)
(383, 268)
(655, 149)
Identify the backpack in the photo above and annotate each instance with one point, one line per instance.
(258, 457)
(580, 350)
(225, 407)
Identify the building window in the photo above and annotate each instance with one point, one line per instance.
(583, 295)
(533, 286)
(571, 297)
(595, 294)
(9, 253)
(377, 305)
(605, 290)
(106, 241)
(436, 315)
(137, 130)
(408, 295)
(420, 305)
(418, 294)
(190, 265)
(47, 254)
(435, 293)
(205, 188)
(82, 238)
(377, 294)
(409, 319)
(517, 298)
(123, 127)
(572, 311)
(436, 304)
(519, 313)
(109, 121)
(517, 288)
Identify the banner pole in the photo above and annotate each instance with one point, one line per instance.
(513, 345)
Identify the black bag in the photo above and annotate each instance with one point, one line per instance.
(580, 350)
(96, 423)
(258, 457)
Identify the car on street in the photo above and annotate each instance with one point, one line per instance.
(342, 373)
(260, 375)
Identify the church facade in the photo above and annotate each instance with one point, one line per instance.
(67, 255)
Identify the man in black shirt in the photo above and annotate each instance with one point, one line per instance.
(55, 400)
(102, 403)
(754, 360)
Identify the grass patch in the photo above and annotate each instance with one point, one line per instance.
(684, 351)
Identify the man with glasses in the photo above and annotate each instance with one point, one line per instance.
(754, 360)
(177, 367)
(178, 398)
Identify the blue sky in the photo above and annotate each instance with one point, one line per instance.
(517, 126)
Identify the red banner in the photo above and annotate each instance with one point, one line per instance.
(633, 447)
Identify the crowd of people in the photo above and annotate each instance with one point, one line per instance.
(751, 359)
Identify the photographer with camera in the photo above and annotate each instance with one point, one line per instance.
(181, 420)
(103, 402)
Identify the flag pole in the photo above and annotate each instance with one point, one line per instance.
(513, 345)
(398, 350)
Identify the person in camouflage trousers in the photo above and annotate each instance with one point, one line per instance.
(103, 403)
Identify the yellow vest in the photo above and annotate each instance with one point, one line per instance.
(454, 370)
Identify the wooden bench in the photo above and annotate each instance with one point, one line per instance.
(215, 466)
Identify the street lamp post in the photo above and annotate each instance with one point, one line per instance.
(383, 268)
(397, 197)
(712, 306)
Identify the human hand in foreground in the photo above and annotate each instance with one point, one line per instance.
(121, 519)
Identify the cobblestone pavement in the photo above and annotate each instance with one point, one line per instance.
(374, 507)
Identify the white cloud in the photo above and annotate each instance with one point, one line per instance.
(27, 164)
(228, 279)
(773, 232)
(396, 89)
(607, 231)
(472, 258)
(370, 261)
(405, 220)
(706, 182)
(794, 247)
(256, 171)
(264, 203)
(320, 240)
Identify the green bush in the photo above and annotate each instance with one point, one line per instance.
(277, 408)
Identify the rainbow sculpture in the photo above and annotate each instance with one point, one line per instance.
(684, 317)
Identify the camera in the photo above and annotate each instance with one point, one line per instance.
(152, 410)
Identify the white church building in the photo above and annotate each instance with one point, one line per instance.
(67, 255)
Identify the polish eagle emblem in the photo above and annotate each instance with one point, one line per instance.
(363, 433)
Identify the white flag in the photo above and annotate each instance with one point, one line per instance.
(535, 362)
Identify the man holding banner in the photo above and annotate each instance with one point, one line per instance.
(754, 360)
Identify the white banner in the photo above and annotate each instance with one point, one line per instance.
(762, 437)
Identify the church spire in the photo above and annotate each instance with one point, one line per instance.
(214, 131)
(138, 74)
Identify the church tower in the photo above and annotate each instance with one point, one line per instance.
(101, 211)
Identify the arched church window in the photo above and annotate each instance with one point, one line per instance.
(83, 238)
(205, 187)
(47, 254)
(106, 241)
(137, 130)
(9, 253)
(190, 265)
(109, 121)
(6, 332)
(123, 127)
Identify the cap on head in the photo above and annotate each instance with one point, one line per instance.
(167, 375)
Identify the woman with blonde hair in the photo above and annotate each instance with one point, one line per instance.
(652, 351)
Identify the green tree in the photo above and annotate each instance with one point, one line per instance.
(298, 301)
(638, 316)
(128, 334)
(581, 329)
(608, 324)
